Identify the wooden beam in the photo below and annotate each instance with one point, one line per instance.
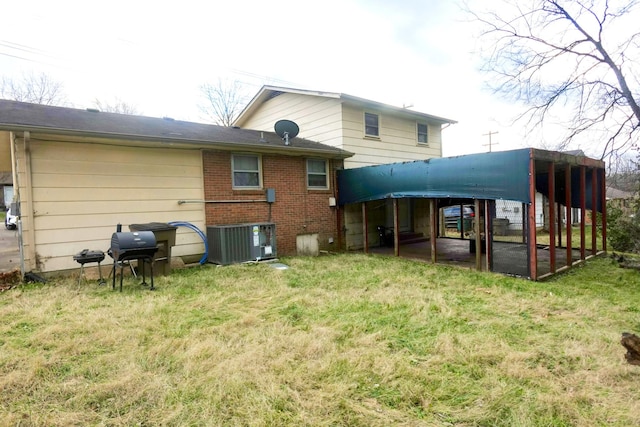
(433, 231)
(568, 219)
(490, 213)
(603, 201)
(365, 234)
(552, 217)
(583, 209)
(594, 211)
(531, 220)
(477, 230)
(396, 229)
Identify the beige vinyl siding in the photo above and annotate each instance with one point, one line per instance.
(81, 191)
(397, 142)
(5, 152)
(319, 118)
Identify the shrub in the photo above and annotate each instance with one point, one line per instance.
(623, 230)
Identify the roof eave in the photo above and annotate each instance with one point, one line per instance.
(265, 91)
(395, 109)
(276, 149)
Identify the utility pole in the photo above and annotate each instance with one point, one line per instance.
(489, 135)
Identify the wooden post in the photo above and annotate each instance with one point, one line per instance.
(594, 211)
(365, 234)
(433, 232)
(477, 230)
(532, 238)
(489, 214)
(552, 217)
(583, 209)
(603, 201)
(396, 228)
(568, 219)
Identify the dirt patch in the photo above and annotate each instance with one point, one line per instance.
(9, 280)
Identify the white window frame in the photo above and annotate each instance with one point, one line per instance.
(426, 133)
(326, 174)
(233, 172)
(370, 135)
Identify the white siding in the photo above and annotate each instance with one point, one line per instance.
(81, 191)
(331, 122)
(319, 118)
(397, 142)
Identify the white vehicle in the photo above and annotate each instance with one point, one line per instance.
(10, 221)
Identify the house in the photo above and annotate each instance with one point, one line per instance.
(623, 200)
(374, 132)
(80, 173)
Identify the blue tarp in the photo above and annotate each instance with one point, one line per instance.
(502, 175)
(493, 176)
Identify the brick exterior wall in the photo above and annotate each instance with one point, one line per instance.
(296, 211)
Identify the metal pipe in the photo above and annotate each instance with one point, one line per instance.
(182, 202)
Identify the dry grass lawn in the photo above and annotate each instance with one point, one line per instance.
(339, 340)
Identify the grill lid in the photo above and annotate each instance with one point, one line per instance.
(140, 243)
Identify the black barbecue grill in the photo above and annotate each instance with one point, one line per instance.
(137, 245)
(87, 257)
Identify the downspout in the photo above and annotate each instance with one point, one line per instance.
(28, 206)
(16, 197)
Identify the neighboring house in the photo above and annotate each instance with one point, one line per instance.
(79, 173)
(376, 133)
(620, 199)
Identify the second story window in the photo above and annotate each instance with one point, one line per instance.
(246, 171)
(423, 133)
(317, 173)
(371, 125)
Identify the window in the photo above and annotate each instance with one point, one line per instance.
(317, 173)
(246, 171)
(423, 133)
(371, 125)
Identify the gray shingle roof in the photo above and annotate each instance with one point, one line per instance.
(22, 116)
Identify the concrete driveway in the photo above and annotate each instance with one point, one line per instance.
(9, 252)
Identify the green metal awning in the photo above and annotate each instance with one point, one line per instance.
(502, 175)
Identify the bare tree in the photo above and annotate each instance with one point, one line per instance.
(623, 173)
(574, 64)
(34, 88)
(118, 106)
(223, 101)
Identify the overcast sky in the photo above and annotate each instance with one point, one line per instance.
(155, 55)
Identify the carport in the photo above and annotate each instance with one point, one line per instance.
(510, 233)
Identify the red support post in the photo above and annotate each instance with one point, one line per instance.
(365, 234)
(569, 220)
(396, 228)
(603, 201)
(594, 211)
(532, 238)
(583, 210)
(477, 229)
(433, 235)
(552, 216)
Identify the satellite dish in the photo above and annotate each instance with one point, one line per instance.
(286, 129)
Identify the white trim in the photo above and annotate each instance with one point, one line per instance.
(233, 171)
(425, 143)
(364, 122)
(326, 174)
